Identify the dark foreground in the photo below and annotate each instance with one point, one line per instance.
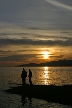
(51, 93)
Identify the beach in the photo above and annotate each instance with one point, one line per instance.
(10, 77)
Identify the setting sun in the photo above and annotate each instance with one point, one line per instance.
(45, 54)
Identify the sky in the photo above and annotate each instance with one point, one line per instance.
(35, 31)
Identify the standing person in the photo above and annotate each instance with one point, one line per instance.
(30, 76)
(23, 76)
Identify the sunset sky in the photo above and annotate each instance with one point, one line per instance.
(35, 31)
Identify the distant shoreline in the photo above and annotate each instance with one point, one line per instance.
(60, 63)
(43, 66)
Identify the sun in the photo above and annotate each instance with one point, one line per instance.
(45, 54)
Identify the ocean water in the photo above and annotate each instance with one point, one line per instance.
(11, 76)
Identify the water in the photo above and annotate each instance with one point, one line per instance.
(10, 76)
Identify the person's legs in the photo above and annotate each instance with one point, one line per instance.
(30, 81)
(24, 81)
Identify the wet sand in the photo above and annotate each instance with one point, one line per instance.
(50, 93)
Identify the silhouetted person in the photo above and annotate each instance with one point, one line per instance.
(23, 76)
(30, 76)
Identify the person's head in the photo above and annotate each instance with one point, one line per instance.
(23, 69)
(29, 69)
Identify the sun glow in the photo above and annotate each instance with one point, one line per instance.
(45, 54)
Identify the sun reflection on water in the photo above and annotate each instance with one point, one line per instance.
(46, 77)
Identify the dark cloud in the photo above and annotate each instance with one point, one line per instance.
(5, 42)
(4, 53)
(27, 49)
(57, 57)
(11, 58)
(16, 58)
(28, 35)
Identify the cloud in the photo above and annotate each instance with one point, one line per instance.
(60, 56)
(21, 36)
(5, 42)
(20, 57)
(35, 13)
(4, 51)
(12, 58)
(59, 4)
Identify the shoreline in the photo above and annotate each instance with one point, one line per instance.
(50, 93)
